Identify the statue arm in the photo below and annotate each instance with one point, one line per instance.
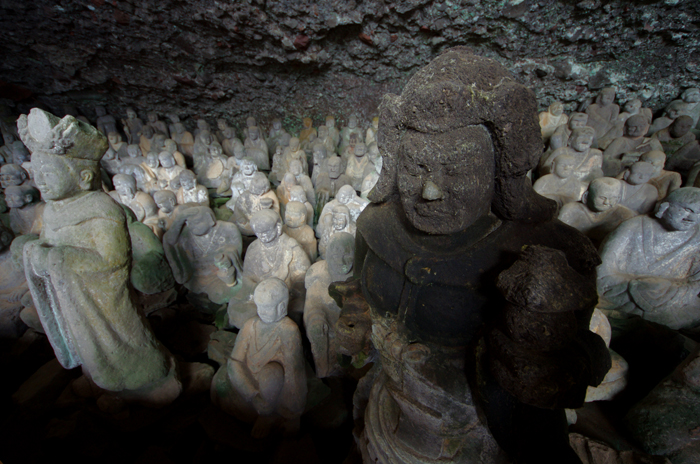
(238, 372)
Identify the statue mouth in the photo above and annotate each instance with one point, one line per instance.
(433, 208)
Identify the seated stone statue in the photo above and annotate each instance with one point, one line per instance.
(633, 107)
(358, 166)
(603, 114)
(256, 148)
(306, 130)
(194, 243)
(228, 140)
(241, 180)
(333, 133)
(202, 148)
(169, 172)
(637, 194)
(346, 196)
(276, 132)
(167, 210)
(110, 162)
(144, 182)
(174, 119)
(184, 140)
(673, 110)
(135, 157)
(117, 145)
(650, 264)
(264, 380)
(191, 193)
(147, 139)
(104, 122)
(624, 150)
(679, 144)
(347, 131)
(328, 184)
(277, 170)
(249, 122)
(349, 150)
(296, 226)
(295, 152)
(691, 97)
(202, 125)
(133, 126)
(337, 222)
(561, 186)
(371, 179)
(13, 174)
(551, 119)
(588, 161)
(282, 191)
(257, 197)
(664, 181)
(211, 167)
(371, 134)
(599, 211)
(78, 271)
(273, 254)
(159, 127)
(297, 193)
(150, 166)
(321, 311)
(303, 180)
(320, 162)
(170, 146)
(126, 193)
(222, 126)
(26, 209)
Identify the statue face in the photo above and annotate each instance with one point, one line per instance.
(269, 234)
(152, 117)
(556, 109)
(114, 139)
(334, 168)
(272, 312)
(221, 124)
(124, 189)
(277, 124)
(228, 132)
(330, 122)
(635, 128)
(148, 132)
(294, 144)
(339, 221)
(360, 151)
(202, 124)
(167, 205)
(248, 168)
(352, 123)
(16, 199)
(152, 161)
(167, 161)
(607, 97)
(179, 128)
(446, 180)
(633, 106)
(582, 142)
(681, 216)
(207, 139)
(55, 178)
(253, 133)
(201, 223)
(680, 127)
(564, 167)
(345, 194)
(215, 150)
(673, 113)
(603, 197)
(640, 174)
(692, 96)
(577, 122)
(130, 114)
(294, 218)
(188, 182)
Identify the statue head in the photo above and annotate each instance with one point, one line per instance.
(228, 132)
(340, 255)
(139, 174)
(188, 180)
(271, 298)
(603, 193)
(297, 193)
(345, 194)
(174, 118)
(221, 124)
(167, 160)
(633, 106)
(289, 179)
(158, 142)
(352, 140)
(375, 123)
(556, 108)
(277, 124)
(563, 166)
(202, 125)
(656, 158)
(206, 137)
(11, 175)
(636, 126)
(640, 173)
(680, 210)
(65, 153)
(295, 167)
(152, 160)
(352, 121)
(578, 121)
(152, 116)
(581, 139)
(294, 143)
(179, 128)
(334, 167)
(330, 122)
(606, 96)
(691, 95)
(114, 138)
(295, 214)
(130, 113)
(20, 154)
(110, 154)
(676, 108)
(681, 126)
(250, 122)
(125, 185)
(455, 144)
(322, 132)
(253, 132)
(165, 200)
(248, 167)
(215, 150)
(19, 196)
(147, 132)
(340, 218)
(133, 150)
(360, 150)
(200, 220)
(267, 226)
(259, 185)
(307, 123)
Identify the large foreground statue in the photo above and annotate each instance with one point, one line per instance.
(472, 366)
(78, 271)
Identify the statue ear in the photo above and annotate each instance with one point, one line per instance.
(86, 177)
(584, 197)
(662, 209)
(626, 174)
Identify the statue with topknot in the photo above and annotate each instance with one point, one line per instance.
(467, 280)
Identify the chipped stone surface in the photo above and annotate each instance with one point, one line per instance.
(210, 58)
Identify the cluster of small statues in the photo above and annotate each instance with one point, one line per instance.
(462, 282)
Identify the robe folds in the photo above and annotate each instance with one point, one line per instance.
(81, 291)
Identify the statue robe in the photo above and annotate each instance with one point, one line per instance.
(84, 302)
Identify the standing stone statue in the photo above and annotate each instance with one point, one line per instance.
(78, 271)
(452, 210)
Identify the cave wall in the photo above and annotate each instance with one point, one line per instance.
(208, 58)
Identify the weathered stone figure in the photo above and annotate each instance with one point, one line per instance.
(78, 271)
(26, 209)
(453, 200)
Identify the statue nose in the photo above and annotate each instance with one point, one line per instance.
(431, 191)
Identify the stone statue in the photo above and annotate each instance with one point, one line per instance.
(184, 140)
(249, 122)
(147, 139)
(26, 209)
(673, 110)
(328, 184)
(371, 134)
(145, 182)
(631, 145)
(349, 150)
(13, 174)
(257, 149)
(295, 152)
(333, 133)
(288, 181)
(273, 254)
(351, 128)
(242, 179)
(338, 221)
(664, 181)
(278, 166)
(116, 145)
(135, 157)
(303, 180)
(105, 122)
(110, 162)
(174, 119)
(691, 97)
(320, 162)
(256, 197)
(202, 125)
(159, 127)
(78, 271)
(191, 193)
(276, 133)
(371, 179)
(306, 130)
(633, 107)
(264, 380)
(603, 114)
(452, 201)
(169, 172)
(637, 194)
(679, 144)
(222, 126)
(599, 212)
(588, 161)
(347, 196)
(194, 244)
(13, 286)
(126, 193)
(167, 210)
(132, 126)
(170, 146)
(297, 227)
(551, 119)
(649, 264)
(228, 140)
(358, 166)
(297, 193)
(202, 146)
(321, 311)
(211, 167)
(561, 186)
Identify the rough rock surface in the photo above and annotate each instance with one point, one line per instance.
(208, 58)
